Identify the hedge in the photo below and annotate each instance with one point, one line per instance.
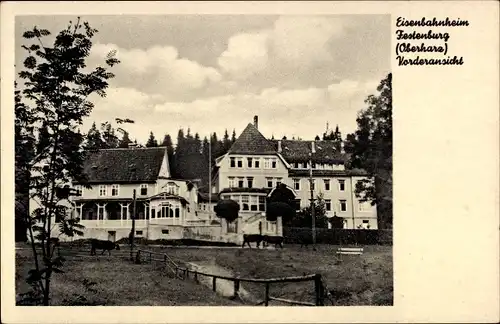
(297, 235)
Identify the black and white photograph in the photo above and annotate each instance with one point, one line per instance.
(203, 160)
(297, 161)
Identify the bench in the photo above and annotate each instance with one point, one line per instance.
(350, 250)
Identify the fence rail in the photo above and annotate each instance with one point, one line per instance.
(184, 273)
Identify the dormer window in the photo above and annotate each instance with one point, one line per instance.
(172, 188)
(115, 189)
(144, 189)
(102, 190)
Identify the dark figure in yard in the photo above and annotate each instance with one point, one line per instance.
(247, 238)
(305, 241)
(104, 245)
(276, 240)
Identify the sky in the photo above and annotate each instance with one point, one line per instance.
(211, 72)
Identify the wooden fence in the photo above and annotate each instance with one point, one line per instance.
(184, 273)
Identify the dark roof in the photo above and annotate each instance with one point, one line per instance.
(124, 165)
(203, 196)
(298, 151)
(251, 141)
(327, 173)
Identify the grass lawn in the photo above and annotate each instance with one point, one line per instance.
(357, 280)
(118, 283)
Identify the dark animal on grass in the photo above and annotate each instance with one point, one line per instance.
(305, 241)
(276, 240)
(103, 245)
(250, 238)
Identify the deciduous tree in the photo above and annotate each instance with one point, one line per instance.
(57, 85)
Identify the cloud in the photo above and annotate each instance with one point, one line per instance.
(158, 69)
(125, 99)
(246, 54)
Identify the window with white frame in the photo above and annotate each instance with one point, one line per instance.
(249, 162)
(343, 205)
(363, 206)
(278, 181)
(250, 182)
(172, 188)
(269, 182)
(245, 202)
(262, 203)
(232, 162)
(241, 182)
(144, 189)
(256, 163)
(328, 204)
(254, 203)
(342, 185)
(102, 190)
(274, 163)
(327, 184)
(240, 162)
(115, 190)
(231, 182)
(296, 165)
(267, 163)
(296, 184)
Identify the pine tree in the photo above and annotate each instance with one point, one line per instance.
(316, 138)
(226, 142)
(337, 139)
(125, 141)
(109, 136)
(94, 140)
(152, 142)
(233, 137)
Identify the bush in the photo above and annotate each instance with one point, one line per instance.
(294, 235)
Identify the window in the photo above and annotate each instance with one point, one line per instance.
(342, 185)
(240, 163)
(257, 163)
(249, 161)
(365, 221)
(269, 182)
(327, 184)
(79, 190)
(304, 165)
(363, 206)
(231, 182)
(296, 165)
(115, 190)
(244, 200)
(296, 184)
(274, 164)
(172, 188)
(233, 162)
(177, 212)
(343, 205)
(262, 203)
(138, 232)
(164, 231)
(240, 182)
(313, 165)
(328, 204)
(102, 190)
(278, 181)
(267, 164)
(250, 182)
(144, 189)
(254, 200)
(311, 184)
(153, 213)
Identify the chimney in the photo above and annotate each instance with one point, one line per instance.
(256, 121)
(313, 148)
(279, 146)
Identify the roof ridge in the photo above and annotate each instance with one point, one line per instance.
(126, 148)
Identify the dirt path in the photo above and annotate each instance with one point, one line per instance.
(223, 287)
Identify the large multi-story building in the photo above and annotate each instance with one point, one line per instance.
(168, 208)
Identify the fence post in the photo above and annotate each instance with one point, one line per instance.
(213, 283)
(138, 257)
(266, 301)
(150, 257)
(318, 289)
(185, 274)
(236, 288)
